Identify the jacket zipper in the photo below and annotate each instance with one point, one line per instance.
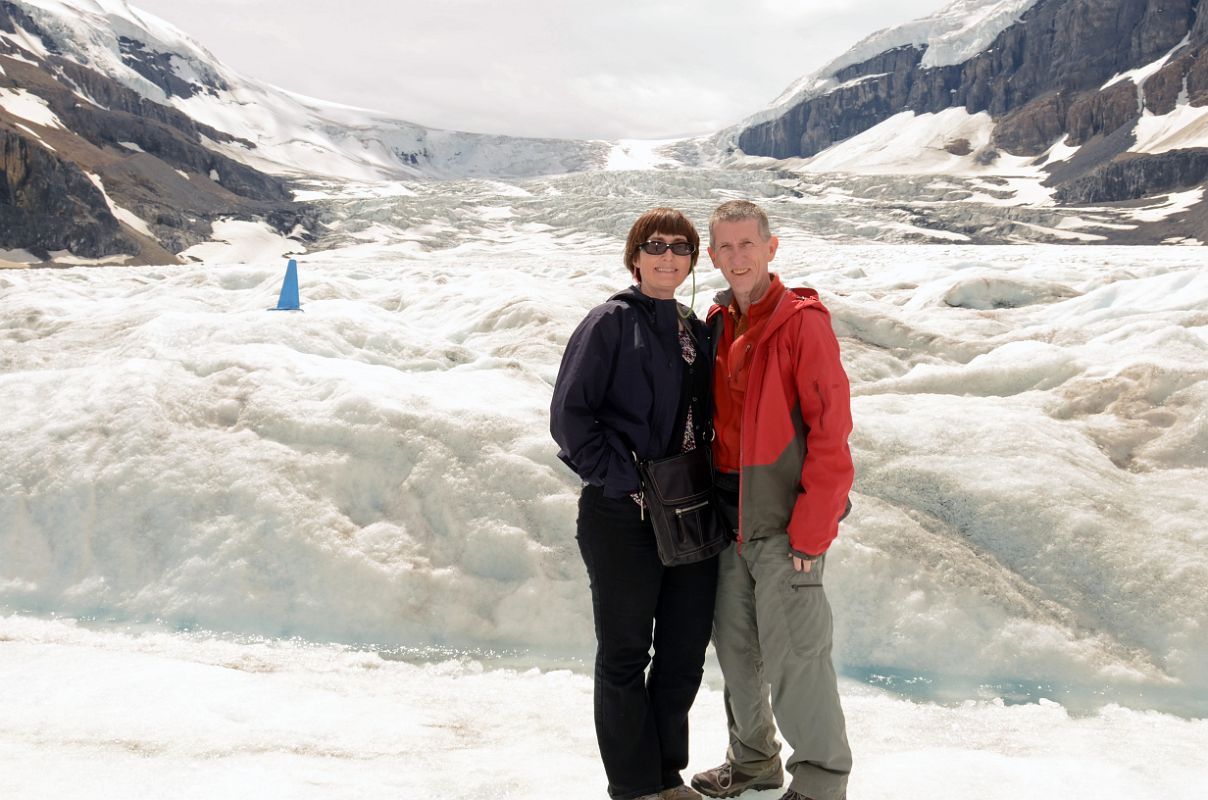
(742, 440)
(742, 435)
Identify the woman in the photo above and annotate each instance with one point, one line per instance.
(635, 381)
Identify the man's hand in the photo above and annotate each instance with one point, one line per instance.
(802, 564)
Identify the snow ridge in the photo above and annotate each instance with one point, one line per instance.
(293, 136)
(951, 35)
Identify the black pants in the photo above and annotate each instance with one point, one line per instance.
(642, 721)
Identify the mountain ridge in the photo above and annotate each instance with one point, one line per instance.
(125, 141)
(116, 96)
(99, 171)
(1081, 74)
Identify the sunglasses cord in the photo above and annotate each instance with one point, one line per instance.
(692, 303)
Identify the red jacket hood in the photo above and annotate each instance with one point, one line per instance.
(800, 297)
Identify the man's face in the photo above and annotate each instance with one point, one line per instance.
(743, 255)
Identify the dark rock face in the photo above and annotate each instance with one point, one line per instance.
(1040, 79)
(48, 204)
(172, 181)
(113, 96)
(155, 67)
(161, 131)
(12, 16)
(1099, 113)
(1134, 174)
(887, 87)
(1030, 130)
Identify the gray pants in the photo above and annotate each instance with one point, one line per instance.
(772, 630)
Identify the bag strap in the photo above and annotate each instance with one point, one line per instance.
(716, 333)
(718, 330)
(703, 389)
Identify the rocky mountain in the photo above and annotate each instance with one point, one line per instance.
(95, 170)
(1108, 97)
(123, 141)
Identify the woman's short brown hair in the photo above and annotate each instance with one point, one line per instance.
(667, 221)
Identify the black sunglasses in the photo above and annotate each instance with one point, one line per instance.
(655, 248)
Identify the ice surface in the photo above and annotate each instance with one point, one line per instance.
(369, 484)
(1030, 447)
(106, 715)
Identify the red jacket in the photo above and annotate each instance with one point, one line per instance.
(796, 466)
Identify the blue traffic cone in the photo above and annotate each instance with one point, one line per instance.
(289, 290)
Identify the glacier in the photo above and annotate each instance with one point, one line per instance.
(330, 553)
(321, 552)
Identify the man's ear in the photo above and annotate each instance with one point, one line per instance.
(773, 244)
(712, 260)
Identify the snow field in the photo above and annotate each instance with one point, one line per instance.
(271, 472)
(94, 715)
(369, 486)
(1029, 445)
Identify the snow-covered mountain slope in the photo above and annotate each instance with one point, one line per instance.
(951, 35)
(1109, 97)
(130, 143)
(280, 132)
(94, 171)
(126, 141)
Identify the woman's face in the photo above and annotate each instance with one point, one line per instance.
(659, 276)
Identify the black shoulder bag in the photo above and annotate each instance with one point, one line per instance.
(678, 492)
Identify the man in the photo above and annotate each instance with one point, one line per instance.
(782, 417)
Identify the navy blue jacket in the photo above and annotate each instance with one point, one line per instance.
(618, 389)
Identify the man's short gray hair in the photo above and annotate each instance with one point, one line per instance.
(737, 211)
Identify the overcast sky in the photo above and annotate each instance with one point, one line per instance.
(605, 69)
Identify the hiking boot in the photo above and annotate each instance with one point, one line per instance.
(680, 792)
(793, 794)
(731, 781)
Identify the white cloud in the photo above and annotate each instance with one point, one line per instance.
(546, 68)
